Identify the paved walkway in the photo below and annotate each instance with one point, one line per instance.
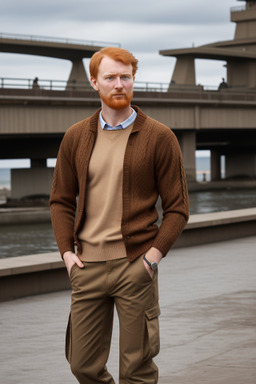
(208, 323)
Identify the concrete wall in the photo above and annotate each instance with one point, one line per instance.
(243, 164)
(33, 126)
(31, 181)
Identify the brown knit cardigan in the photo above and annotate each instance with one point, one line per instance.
(153, 166)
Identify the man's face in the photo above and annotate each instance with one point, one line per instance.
(114, 83)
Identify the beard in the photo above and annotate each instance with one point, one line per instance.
(117, 103)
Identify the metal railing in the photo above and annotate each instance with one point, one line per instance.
(210, 87)
(23, 83)
(57, 40)
(150, 86)
(61, 85)
(238, 8)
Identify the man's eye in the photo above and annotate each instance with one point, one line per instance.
(126, 77)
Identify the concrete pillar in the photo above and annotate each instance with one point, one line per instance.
(34, 181)
(78, 78)
(241, 74)
(215, 166)
(252, 74)
(188, 147)
(240, 165)
(184, 72)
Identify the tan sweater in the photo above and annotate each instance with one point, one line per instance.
(152, 166)
(101, 236)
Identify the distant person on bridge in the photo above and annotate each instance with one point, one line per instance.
(110, 170)
(223, 84)
(35, 84)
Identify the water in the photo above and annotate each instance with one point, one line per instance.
(5, 176)
(29, 239)
(203, 168)
(215, 201)
(33, 239)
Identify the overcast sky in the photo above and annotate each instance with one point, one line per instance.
(142, 26)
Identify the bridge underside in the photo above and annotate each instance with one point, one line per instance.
(239, 152)
(32, 127)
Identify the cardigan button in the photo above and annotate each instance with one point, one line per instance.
(128, 237)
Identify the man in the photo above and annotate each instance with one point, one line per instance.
(117, 162)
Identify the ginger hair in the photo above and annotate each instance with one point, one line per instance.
(115, 53)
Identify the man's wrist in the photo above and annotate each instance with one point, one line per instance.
(153, 265)
(67, 255)
(154, 255)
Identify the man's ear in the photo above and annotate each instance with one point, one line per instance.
(94, 83)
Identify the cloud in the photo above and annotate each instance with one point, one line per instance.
(182, 12)
(142, 26)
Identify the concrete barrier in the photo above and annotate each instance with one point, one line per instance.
(218, 226)
(24, 215)
(35, 274)
(32, 275)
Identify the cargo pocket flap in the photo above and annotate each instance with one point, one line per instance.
(153, 312)
(152, 324)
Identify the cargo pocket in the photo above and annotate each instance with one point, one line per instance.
(68, 340)
(152, 326)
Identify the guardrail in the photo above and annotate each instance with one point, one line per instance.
(238, 8)
(57, 40)
(143, 86)
(150, 86)
(23, 83)
(61, 85)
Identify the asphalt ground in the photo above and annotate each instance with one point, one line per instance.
(207, 322)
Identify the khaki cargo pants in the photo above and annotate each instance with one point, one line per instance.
(95, 290)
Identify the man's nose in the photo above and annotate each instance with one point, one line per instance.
(118, 83)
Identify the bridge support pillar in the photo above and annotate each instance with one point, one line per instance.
(78, 78)
(188, 147)
(184, 72)
(215, 166)
(240, 165)
(34, 181)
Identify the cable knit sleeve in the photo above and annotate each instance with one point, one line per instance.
(63, 195)
(172, 186)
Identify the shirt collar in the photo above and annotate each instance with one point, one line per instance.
(126, 123)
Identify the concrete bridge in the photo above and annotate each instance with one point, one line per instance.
(67, 49)
(33, 120)
(32, 124)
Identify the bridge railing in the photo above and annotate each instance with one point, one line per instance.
(238, 8)
(61, 85)
(57, 40)
(23, 83)
(150, 86)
